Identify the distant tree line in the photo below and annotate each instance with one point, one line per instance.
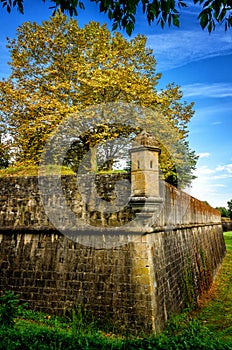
(226, 212)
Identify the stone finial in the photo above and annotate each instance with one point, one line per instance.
(145, 139)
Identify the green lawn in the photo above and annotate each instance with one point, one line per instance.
(32, 170)
(216, 309)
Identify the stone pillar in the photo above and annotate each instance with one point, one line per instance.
(145, 166)
(145, 182)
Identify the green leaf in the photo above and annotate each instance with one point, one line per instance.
(182, 4)
(203, 19)
(210, 27)
(114, 26)
(222, 15)
(81, 5)
(176, 21)
(130, 28)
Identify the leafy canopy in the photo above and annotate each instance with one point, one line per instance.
(59, 69)
(224, 212)
(123, 12)
(229, 203)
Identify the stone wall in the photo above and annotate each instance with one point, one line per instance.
(226, 224)
(22, 203)
(52, 273)
(145, 275)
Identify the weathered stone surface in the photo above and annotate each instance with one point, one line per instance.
(226, 224)
(137, 284)
(145, 166)
(21, 204)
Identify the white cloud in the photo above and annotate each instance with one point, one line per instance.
(215, 109)
(204, 170)
(203, 155)
(181, 47)
(222, 176)
(213, 184)
(216, 123)
(220, 171)
(218, 90)
(227, 168)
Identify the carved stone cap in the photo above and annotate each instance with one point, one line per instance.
(145, 139)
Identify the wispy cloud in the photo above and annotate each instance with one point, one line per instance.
(220, 171)
(227, 168)
(217, 109)
(213, 184)
(218, 90)
(203, 155)
(204, 170)
(181, 47)
(216, 123)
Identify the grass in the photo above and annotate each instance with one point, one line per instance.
(33, 171)
(215, 308)
(207, 328)
(114, 171)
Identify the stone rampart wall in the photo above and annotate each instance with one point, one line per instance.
(137, 282)
(22, 204)
(226, 224)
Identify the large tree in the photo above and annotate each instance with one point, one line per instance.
(123, 12)
(59, 69)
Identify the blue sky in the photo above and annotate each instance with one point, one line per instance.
(200, 63)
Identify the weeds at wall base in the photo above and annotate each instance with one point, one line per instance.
(207, 273)
(190, 290)
(33, 337)
(37, 331)
(188, 285)
(10, 308)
